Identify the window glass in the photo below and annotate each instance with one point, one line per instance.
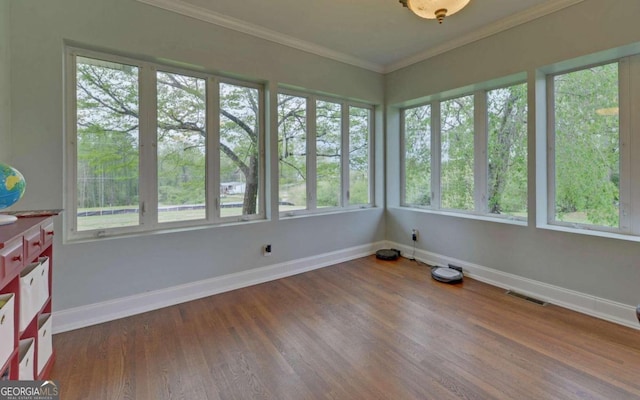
(417, 156)
(107, 144)
(239, 150)
(359, 132)
(328, 153)
(292, 152)
(507, 151)
(181, 147)
(457, 154)
(587, 146)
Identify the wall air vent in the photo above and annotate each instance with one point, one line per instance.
(527, 298)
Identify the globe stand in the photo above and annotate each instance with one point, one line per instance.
(7, 219)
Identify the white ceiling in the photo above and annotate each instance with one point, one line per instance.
(379, 35)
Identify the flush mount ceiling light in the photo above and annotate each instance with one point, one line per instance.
(434, 9)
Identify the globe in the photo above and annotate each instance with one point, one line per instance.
(12, 185)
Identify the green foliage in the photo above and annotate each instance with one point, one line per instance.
(292, 150)
(417, 151)
(108, 129)
(359, 130)
(181, 141)
(457, 178)
(240, 140)
(328, 152)
(507, 150)
(107, 134)
(587, 146)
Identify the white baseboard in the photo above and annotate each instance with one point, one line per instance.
(608, 310)
(79, 317)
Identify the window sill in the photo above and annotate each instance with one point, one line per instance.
(590, 232)
(92, 236)
(469, 215)
(286, 215)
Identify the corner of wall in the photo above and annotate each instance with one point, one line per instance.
(5, 81)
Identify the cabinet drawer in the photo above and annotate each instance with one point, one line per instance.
(11, 259)
(33, 243)
(47, 233)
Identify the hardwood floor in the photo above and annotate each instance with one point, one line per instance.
(365, 329)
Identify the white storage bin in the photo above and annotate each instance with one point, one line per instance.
(30, 298)
(7, 331)
(43, 281)
(25, 356)
(45, 346)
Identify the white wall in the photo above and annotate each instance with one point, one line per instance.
(601, 267)
(5, 83)
(87, 273)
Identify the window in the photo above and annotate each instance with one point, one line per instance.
(181, 147)
(417, 156)
(328, 154)
(456, 154)
(468, 154)
(359, 132)
(586, 147)
(507, 151)
(240, 126)
(324, 153)
(292, 152)
(107, 144)
(143, 153)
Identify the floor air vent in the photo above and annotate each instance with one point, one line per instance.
(527, 298)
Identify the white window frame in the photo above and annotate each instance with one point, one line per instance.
(629, 193)
(370, 153)
(481, 136)
(311, 206)
(215, 181)
(148, 179)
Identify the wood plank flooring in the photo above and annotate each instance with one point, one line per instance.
(364, 329)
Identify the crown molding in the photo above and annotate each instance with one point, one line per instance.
(225, 21)
(203, 14)
(499, 26)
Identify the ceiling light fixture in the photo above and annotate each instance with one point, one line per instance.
(434, 9)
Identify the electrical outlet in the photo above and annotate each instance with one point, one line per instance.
(414, 235)
(266, 250)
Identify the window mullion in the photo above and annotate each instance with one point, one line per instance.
(481, 169)
(551, 155)
(436, 152)
(371, 153)
(311, 154)
(72, 144)
(148, 137)
(213, 150)
(624, 115)
(345, 132)
(630, 116)
(403, 158)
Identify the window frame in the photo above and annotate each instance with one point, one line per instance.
(627, 66)
(434, 192)
(311, 158)
(370, 158)
(215, 109)
(147, 156)
(480, 152)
